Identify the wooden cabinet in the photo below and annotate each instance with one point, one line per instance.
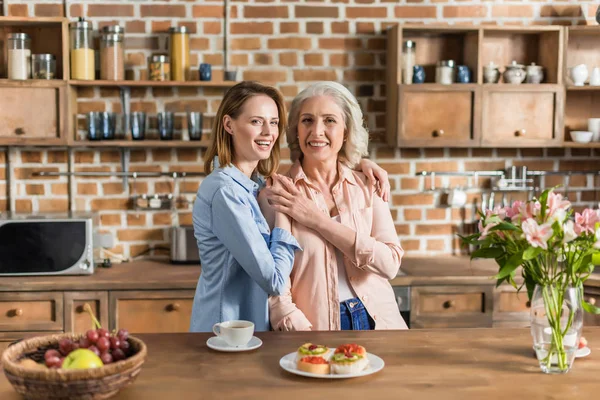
(511, 309)
(451, 115)
(520, 117)
(456, 306)
(31, 311)
(152, 311)
(78, 320)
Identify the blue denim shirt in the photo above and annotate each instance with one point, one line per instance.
(242, 261)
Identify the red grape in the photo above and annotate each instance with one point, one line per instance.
(103, 344)
(75, 346)
(122, 334)
(106, 358)
(95, 350)
(118, 354)
(124, 345)
(84, 343)
(53, 362)
(92, 336)
(65, 346)
(103, 332)
(115, 343)
(51, 353)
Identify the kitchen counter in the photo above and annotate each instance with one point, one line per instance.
(442, 364)
(160, 274)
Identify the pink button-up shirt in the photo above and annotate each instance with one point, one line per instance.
(311, 300)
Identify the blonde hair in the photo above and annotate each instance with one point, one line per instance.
(233, 103)
(357, 143)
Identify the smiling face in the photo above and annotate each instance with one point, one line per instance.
(321, 128)
(254, 131)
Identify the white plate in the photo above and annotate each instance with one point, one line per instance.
(288, 362)
(219, 344)
(585, 351)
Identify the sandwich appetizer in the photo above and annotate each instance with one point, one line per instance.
(309, 349)
(314, 365)
(352, 348)
(349, 359)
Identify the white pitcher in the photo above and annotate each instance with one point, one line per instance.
(579, 74)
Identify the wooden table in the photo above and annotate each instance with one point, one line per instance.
(425, 364)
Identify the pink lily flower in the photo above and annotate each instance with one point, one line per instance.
(586, 221)
(557, 207)
(537, 235)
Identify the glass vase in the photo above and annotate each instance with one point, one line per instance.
(556, 323)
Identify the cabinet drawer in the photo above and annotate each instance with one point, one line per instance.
(451, 306)
(511, 309)
(520, 118)
(31, 311)
(437, 118)
(79, 321)
(152, 311)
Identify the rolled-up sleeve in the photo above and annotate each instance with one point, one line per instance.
(270, 263)
(284, 315)
(379, 250)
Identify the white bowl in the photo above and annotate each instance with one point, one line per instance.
(581, 136)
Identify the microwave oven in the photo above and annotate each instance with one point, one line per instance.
(46, 245)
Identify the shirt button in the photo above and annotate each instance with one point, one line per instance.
(364, 298)
(375, 317)
(342, 209)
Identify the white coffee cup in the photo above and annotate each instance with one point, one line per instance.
(236, 333)
(457, 197)
(594, 127)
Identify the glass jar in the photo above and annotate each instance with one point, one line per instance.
(444, 72)
(19, 56)
(408, 61)
(43, 66)
(116, 29)
(159, 67)
(112, 57)
(179, 53)
(82, 50)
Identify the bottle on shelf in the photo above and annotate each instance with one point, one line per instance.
(160, 68)
(408, 61)
(112, 57)
(82, 50)
(19, 56)
(43, 66)
(179, 45)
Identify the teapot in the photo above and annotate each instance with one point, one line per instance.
(514, 73)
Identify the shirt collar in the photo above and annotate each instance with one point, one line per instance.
(345, 173)
(251, 185)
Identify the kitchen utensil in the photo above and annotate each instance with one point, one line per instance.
(567, 181)
(582, 136)
(492, 198)
(166, 121)
(194, 123)
(484, 202)
(457, 197)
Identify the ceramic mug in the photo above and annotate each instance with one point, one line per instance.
(235, 333)
(418, 74)
(595, 77)
(457, 198)
(594, 127)
(579, 74)
(463, 74)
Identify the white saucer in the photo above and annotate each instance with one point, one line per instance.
(585, 351)
(219, 344)
(288, 362)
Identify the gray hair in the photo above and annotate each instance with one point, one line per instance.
(357, 143)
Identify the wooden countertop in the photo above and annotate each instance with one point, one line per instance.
(420, 364)
(162, 275)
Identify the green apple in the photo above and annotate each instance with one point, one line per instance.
(82, 359)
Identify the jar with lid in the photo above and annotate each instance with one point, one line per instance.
(19, 56)
(408, 61)
(43, 66)
(160, 67)
(82, 50)
(444, 72)
(112, 57)
(179, 53)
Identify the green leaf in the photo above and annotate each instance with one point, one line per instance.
(531, 253)
(543, 201)
(511, 265)
(487, 252)
(596, 258)
(504, 226)
(592, 309)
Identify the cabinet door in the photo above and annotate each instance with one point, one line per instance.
(511, 309)
(31, 311)
(451, 307)
(160, 311)
(79, 321)
(437, 118)
(522, 118)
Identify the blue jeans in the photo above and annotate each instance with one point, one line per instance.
(354, 316)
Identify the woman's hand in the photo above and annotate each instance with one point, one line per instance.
(377, 176)
(286, 198)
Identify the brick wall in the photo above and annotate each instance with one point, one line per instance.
(293, 42)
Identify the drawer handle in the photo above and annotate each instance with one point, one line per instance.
(520, 132)
(438, 133)
(16, 312)
(19, 131)
(173, 307)
(528, 304)
(449, 304)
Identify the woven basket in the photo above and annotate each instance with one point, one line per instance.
(54, 384)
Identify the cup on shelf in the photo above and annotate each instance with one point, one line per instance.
(579, 74)
(595, 77)
(205, 72)
(581, 136)
(535, 73)
(594, 127)
(418, 74)
(491, 73)
(463, 74)
(108, 123)
(166, 120)
(137, 124)
(230, 75)
(194, 123)
(93, 125)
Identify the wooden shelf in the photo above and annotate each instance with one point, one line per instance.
(99, 83)
(142, 143)
(33, 83)
(582, 88)
(590, 145)
(25, 142)
(31, 21)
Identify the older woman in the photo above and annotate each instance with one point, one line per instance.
(350, 247)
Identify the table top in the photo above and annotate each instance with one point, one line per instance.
(420, 364)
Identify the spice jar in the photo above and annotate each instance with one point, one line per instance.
(180, 53)
(160, 68)
(43, 66)
(82, 50)
(112, 57)
(444, 72)
(408, 61)
(19, 56)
